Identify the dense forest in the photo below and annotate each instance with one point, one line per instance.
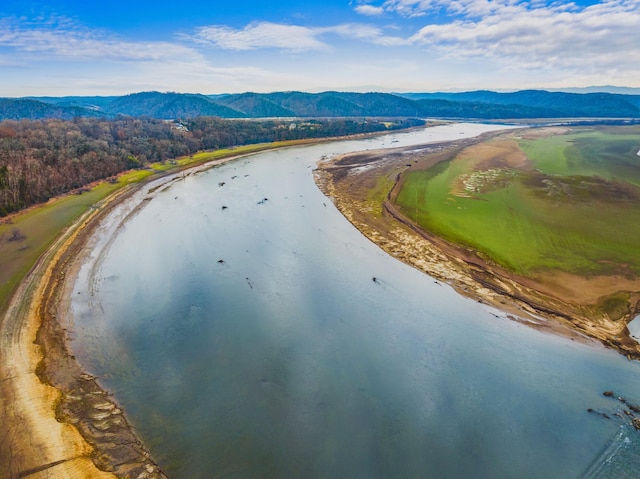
(477, 105)
(40, 159)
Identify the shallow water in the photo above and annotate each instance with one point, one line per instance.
(634, 328)
(251, 341)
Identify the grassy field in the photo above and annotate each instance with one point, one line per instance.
(572, 205)
(608, 153)
(30, 233)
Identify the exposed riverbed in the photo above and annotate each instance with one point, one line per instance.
(236, 318)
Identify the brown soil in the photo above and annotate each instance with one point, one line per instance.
(56, 420)
(557, 302)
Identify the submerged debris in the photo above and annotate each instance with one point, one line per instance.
(628, 415)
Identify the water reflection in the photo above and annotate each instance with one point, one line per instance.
(285, 359)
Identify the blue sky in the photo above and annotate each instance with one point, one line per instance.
(73, 47)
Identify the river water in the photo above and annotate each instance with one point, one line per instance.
(235, 319)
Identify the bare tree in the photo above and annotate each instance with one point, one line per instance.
(17, 235)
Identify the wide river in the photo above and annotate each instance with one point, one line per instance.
(235, 319)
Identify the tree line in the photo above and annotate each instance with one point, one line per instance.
(46, 158)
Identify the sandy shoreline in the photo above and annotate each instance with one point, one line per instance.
(56, 420)
(349, 180)
(42, 384)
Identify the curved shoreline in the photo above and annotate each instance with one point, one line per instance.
(349, 181)
(57, 421)
(52, 412)
(35, 443)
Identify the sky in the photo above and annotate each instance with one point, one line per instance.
(116, 47)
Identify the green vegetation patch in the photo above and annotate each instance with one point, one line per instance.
(608, 153)
(29, 234)
(615, 306)
(377, 195)
(577, 210)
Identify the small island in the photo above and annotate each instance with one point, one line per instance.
(542, 223)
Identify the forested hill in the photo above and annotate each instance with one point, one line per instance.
(471, 105)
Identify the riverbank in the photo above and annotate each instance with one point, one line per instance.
(56, 420)
(363, 186)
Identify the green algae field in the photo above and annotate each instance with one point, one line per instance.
(538, 200)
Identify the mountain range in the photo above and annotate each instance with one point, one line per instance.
(469, 105)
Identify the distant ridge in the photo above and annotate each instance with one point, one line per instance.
(623, 90)
(27, 109)
(480, 105)
(169, 106)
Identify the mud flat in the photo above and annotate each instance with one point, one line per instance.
(363, 186)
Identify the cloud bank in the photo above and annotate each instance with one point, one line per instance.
(392, 44)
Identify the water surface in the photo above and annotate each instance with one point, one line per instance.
(235, 318)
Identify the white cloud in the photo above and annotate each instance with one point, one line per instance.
(369, 10)
(603, 36)
(466, 8)
(412, 8)
(289, 37)
(363, 32)
(262, 35)
(60, 38)
(601, 40)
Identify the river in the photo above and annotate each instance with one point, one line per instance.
(235, 319)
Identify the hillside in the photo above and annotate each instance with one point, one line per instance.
(555, 104)
(27, 109)
(478, 105)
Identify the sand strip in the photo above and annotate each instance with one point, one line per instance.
(56, 421)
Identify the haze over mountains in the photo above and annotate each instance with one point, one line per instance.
(473, 105)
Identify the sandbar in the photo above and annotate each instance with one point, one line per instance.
(352, 181)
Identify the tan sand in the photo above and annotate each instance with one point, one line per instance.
(34, 443)
(61, 431)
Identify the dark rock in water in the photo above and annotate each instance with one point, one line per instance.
(609, 394)
(598, 413)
